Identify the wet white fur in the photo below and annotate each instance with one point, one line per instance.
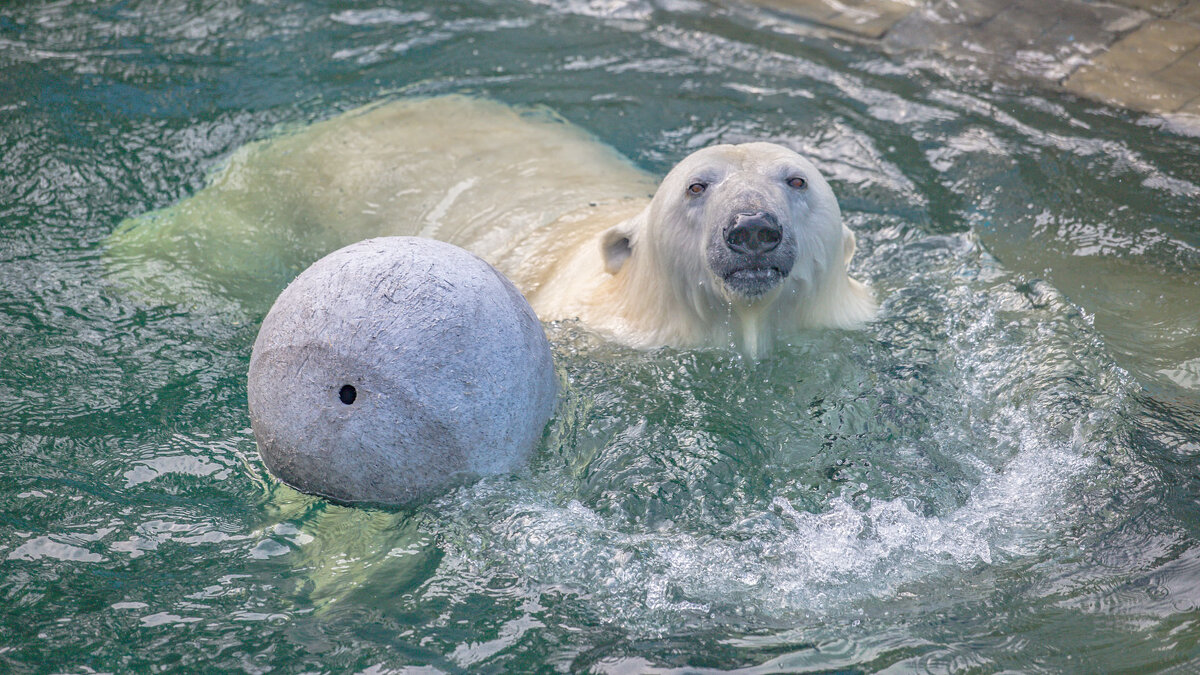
(651, 284)
(547, 204)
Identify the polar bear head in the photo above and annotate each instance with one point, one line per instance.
(751, 229)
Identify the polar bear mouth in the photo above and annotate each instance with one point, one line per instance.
(753, 281)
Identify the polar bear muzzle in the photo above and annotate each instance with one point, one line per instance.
(752, 253)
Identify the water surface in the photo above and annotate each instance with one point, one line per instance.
(998, 474)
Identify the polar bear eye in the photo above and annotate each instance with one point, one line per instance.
(697, 188)
(797, 182)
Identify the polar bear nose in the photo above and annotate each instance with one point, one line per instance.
(753, 233)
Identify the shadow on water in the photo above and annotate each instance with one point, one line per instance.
(998, 474)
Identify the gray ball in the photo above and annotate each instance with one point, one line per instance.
(396, 367)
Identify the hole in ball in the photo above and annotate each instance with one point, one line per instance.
(347, 394)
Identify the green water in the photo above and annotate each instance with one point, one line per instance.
(998, 475)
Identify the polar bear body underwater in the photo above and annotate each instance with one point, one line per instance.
(739, 244)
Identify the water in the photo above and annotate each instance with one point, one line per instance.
(997, 475)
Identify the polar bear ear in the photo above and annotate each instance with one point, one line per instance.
(849, 243)
(616, 245)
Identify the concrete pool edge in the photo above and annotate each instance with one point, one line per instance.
(1143, 55)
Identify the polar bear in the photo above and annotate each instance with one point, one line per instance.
(738, 246)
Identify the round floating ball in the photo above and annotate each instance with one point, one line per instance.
(394, 368)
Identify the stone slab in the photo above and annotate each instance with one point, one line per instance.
(1190, 13)
(1184, 73)
(1150, 48)
(1191, 107)
(968, 13)
(871, 18)
(1156, 68)
(865, 18)
(1013, 28)
(1043, 38)
(1140, 54)
(1141, 92)
(1156, 7)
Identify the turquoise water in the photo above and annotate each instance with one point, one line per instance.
(998, 475)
